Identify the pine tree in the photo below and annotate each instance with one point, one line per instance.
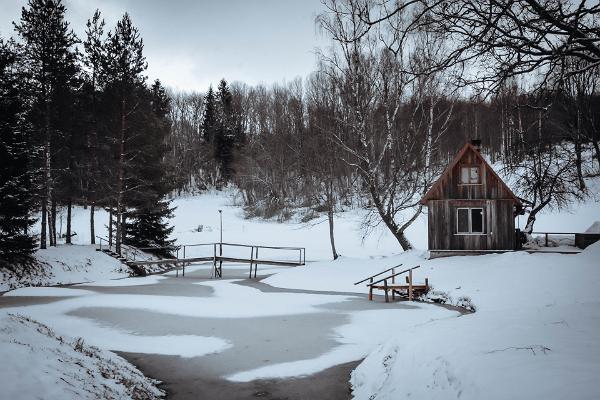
(51, 61)
(149, 217)
(92, 60)
(16, 151)
(209, 117)
(122, 76)
(224, 141)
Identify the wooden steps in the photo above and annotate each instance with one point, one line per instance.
(388, 284)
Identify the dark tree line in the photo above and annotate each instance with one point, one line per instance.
(80, 126)
(403, 87)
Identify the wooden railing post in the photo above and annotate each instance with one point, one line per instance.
(255, 262)
(251, 261)
(183, 269)
(410, 285)
(385, 288)
(546, 240)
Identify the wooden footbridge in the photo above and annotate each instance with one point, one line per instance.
(218, 253)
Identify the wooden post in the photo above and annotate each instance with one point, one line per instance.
(255, 262)
(546, 239)
(427, 284)
(183, 270)
(385, 288)
(410, 285)
(371, 292)
(251, 261)
(177, 263)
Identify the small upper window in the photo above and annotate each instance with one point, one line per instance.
(469, 175)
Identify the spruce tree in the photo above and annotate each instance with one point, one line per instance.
(90, 93)
(149, 218)
(209, 117)
(122, 77)
(16, 151)
(51, 61)
(225, 135)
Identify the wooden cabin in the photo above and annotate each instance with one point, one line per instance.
(470, 209)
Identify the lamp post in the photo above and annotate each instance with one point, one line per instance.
(221, 230)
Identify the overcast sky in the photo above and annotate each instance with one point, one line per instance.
(192, 43)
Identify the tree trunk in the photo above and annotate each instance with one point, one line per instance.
(92, 231)
(110, 226)
(579, 161)
(44, 222)
(388, 220)
(331, 237)
(53, 222)
(597, 151)
(123, 227)
(403, 240)
(69, 206)
(120, 168)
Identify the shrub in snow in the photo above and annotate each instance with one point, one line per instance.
(436, 296)
(466, 303)
(441, 297)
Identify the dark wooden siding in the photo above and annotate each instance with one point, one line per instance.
(499, 225)
(491, 186)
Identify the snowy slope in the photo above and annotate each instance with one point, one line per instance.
(36, 363)
(201, 211)
(66, 264)
(534, 335)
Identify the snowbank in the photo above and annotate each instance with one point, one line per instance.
(66, 264)
(534, 334)
(39, 364)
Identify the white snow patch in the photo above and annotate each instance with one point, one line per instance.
(47, 291)
(36, 363)
(66, 264)
(594, 228)
(137, 281)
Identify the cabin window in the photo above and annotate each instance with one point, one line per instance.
(469, 175)
(469, 220)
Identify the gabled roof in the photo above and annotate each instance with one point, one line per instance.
(468, 146)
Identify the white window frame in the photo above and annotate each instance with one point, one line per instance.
(469, 167)
(470, 222)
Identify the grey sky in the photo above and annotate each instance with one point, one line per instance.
(190, 44)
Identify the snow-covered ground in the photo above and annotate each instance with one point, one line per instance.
(37, 363)
(534, 333)
(66, 264)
